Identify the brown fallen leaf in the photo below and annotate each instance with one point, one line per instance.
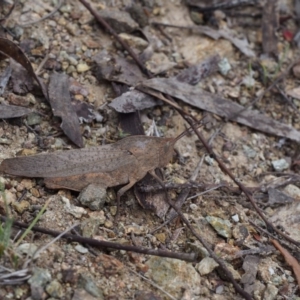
(132, 101)
(123, 71)
(277, 197)
(291, 261)
(195, 96)
(113, 68)
(11, 50)
(86, 112)
(4, 78)
(12, 111)
(60, 100)
(295, 93)
(22, 83)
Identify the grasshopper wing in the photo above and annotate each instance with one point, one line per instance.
(68, 163)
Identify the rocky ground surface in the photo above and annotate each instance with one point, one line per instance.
(67, 42)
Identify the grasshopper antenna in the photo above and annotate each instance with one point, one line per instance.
(187, 131)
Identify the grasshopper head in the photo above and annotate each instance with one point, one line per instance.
(153, 151)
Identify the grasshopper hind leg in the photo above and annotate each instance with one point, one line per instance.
(120, 193)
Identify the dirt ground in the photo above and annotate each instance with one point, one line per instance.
(266, 163)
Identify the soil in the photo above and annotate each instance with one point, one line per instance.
(223, 216)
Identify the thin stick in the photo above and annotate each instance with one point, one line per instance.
(291, 260)
(191, 120)
(104, 244)
(40, 250)
(32, 223)
(115, 35)
(260, 97)
(269, 88)
(205, 244)
(59, 5)
(205, 192)
(181, 198)
(153, 284)
(41, 65)
(238, 183)
(287, 99)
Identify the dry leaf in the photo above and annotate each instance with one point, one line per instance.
(12, 111)
(195, 96)
(10, 49)
(60, 100)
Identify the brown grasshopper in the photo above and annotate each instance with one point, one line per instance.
(124, 162)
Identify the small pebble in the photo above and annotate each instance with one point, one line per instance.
(109, 224)
(54, 289)
(82, 67)
(224, 66)
(81, 249)
(235, 218)
(161, 237)
(206, 265)
(27, 249)
(193, 206)
(20, 207)
(280, 165)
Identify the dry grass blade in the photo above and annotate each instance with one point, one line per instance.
(12, 277)
(58, 6)
(289, 259)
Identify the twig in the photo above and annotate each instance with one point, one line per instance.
(239, 184)
(153, 284)
(191, 120)
(40, 250)
(287, 99)
(59, 5)
(115, 35)
(269, 88)
(92, 251)
(8, 14)
(289, 259)
(260, 250)
(181, 198)
(104, 244)
(206, 191)
(32, 223)
(39, 69)
(205, 244)
(22, 195)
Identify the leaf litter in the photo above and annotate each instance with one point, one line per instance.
(192, 95)
(59, 96)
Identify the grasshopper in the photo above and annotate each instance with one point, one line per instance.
(122, 163)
